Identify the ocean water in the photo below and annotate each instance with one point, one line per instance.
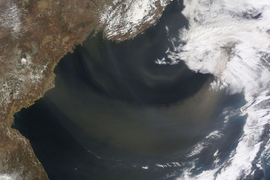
(187, 99)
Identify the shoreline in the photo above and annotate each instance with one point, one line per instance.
(34, 44)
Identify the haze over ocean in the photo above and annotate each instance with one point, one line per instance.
(171, 103)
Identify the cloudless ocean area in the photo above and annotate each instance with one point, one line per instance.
(115, 114)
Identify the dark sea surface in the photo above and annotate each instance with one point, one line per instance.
(116, 114)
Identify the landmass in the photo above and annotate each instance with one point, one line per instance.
(35, 35)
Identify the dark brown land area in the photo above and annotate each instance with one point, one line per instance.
(34, 36)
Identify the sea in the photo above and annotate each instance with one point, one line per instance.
(186, 99)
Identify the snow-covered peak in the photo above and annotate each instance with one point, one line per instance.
(127, 17)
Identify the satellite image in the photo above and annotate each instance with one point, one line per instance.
(135, 89)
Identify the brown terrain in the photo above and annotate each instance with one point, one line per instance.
(35, 35)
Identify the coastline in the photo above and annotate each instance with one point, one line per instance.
(37, 36)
